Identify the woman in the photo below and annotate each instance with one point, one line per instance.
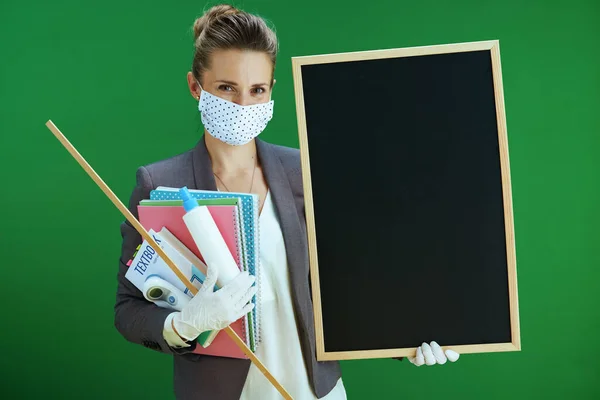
(232, 79)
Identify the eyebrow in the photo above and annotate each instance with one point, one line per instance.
(235, 84)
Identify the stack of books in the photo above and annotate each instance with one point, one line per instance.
(236, 216)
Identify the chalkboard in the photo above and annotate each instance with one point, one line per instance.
(408, 200)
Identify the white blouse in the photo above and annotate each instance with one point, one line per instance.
(279, 349)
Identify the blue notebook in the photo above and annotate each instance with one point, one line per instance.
(250, 233)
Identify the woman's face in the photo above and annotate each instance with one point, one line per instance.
(242, 77)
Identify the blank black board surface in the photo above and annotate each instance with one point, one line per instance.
(408, 201)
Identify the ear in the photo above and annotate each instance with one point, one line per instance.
(193, 86)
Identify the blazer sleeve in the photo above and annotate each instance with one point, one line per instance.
(138, 320)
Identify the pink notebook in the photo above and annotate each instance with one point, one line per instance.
(171, 217)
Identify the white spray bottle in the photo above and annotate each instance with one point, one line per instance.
(207, 237)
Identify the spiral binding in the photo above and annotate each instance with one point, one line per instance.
(257, 272)
(240, 252)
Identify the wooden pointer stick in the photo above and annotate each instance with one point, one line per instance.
(136, 224)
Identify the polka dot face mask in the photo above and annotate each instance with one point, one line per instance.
(231, 123)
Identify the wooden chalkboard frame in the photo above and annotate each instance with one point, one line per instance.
(493, 47)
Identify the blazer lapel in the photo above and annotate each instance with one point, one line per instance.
(296, 245)
(283, 198)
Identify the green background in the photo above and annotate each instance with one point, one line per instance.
(111, 75)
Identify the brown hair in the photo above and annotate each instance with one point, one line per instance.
(224, 27)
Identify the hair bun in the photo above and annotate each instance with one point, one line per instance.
(211, 15)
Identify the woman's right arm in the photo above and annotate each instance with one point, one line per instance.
(137, 319)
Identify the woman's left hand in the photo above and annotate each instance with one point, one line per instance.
(431, 354)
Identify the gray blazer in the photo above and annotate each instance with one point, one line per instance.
(201, 377)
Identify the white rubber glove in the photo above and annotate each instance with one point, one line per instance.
(209, 310)
(432, 354)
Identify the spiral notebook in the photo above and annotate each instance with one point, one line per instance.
(252, 316)
(248, 217)
(171, 217)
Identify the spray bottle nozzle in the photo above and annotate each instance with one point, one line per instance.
(188, 201)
